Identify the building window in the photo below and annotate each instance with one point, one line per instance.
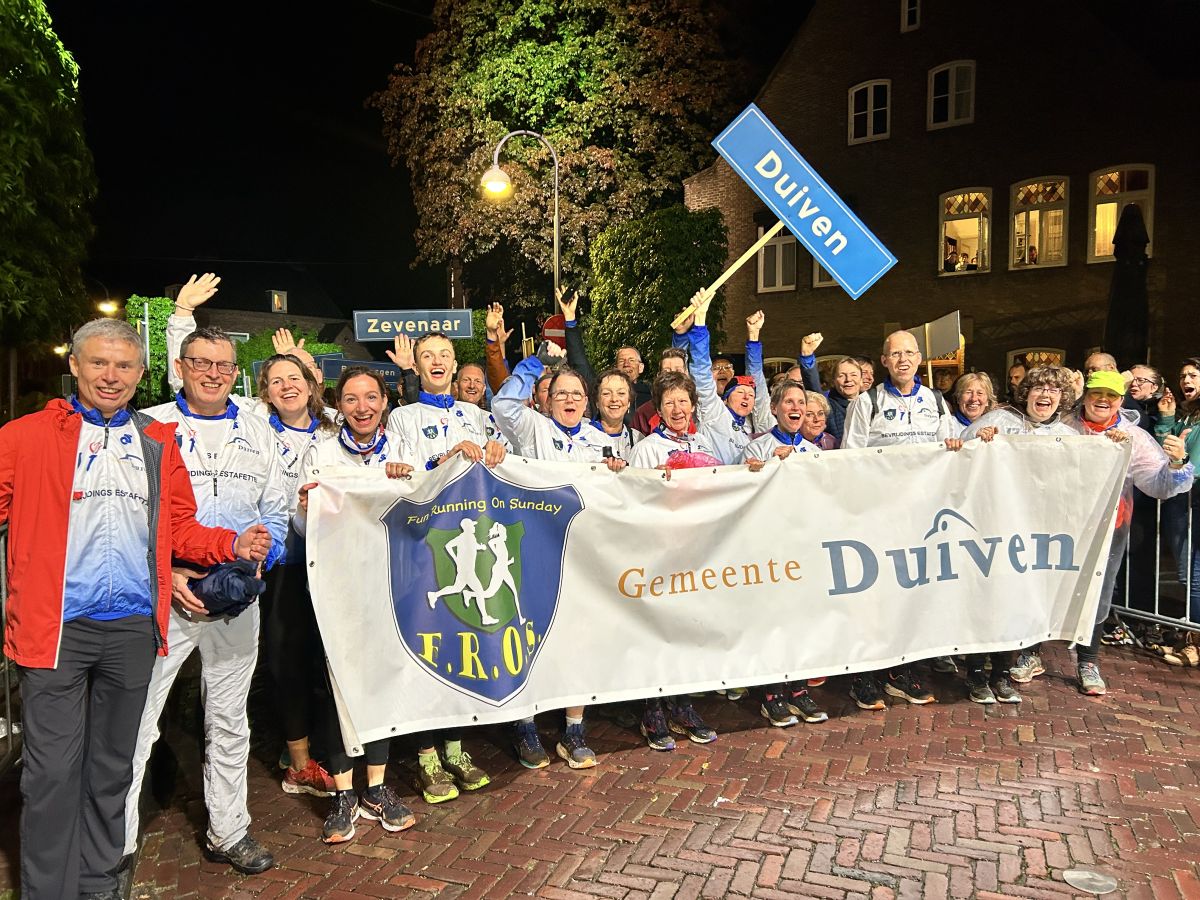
(1111, 191)
(821, 278)
(951, 95)
(910, 15)
(777, 264)
(869, 114)
(1038, 236)
(964, 220)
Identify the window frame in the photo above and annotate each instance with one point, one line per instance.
(915, 5)
(1121, 198)
(868, 86)
(1064, 205)
(952, 122)
(985, 240)
(817, 282)
(777, 242)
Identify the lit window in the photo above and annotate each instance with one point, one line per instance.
(777, 264)
(910, 15)
(964, 222)
(1038, 236)
(1111, 191)
(821, 278)
(951, 95)
(868, 117)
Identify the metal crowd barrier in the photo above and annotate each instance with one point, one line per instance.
(10, 715)
(1155, 584)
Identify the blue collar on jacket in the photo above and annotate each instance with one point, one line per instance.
(441, 401)
(93, 416)
(231, 409)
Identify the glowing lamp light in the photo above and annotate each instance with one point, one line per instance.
(496, 183)
(62, 349)
(108, 307)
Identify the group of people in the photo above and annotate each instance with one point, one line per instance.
(173, 513)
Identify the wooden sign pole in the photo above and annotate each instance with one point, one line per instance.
(728, 273)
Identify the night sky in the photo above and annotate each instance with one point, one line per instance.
(236, 132)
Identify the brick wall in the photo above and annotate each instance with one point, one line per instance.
(1057, 94)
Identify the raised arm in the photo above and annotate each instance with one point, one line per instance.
(517, 421)
(754, 368)
(182, 322)
(808, 360)
(576, 354)
(713, 412)
(401, 355)
(497, 368)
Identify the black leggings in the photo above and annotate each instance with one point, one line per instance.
(1091, 652)
(1001, 662)
(296, 661)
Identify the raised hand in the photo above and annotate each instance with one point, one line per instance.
(810, 342)
(402, 352)
(754, 324)
(1176, 445)
(1166, 405)
(494, 320)
(568, 306)
(197, 291)
(284, 342)
(685, 323)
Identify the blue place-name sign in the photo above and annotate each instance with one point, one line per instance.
(386, 324)
(333, 368)
(809, 208)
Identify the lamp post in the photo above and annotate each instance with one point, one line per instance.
(497, 185)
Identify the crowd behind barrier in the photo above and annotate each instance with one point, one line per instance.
(211, 488)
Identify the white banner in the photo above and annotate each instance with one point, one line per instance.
(470, 596)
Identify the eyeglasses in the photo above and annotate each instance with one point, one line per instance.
(1141, 381)
(722, 368)
(200, 364)
(567, 395)
(897, 355)
(1045, 389)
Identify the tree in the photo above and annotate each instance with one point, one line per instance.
(154, 388)
(259, 347)
(645, 271)
(628, 92)
(46, 179)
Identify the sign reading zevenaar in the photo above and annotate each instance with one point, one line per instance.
(809, 208)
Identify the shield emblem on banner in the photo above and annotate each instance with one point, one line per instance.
(475, 576)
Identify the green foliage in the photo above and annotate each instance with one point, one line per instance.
(471, 349)
(154, 388)
(644, 272)
(260, 347)
(46, 178)
(628, 92)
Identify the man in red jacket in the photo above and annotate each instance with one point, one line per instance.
(97, 501)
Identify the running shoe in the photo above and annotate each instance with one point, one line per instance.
(1027, 667)
(379, 802)
(734, 694)
(530, 751)
(803, 705)
(339, 824)
(574, 749)
(312, 779)
(682, 718)
(436, 784)
(775, 710)
(945, 665)
(654, 727)
(1090, 682)
(1004, 691)
(978, 688)
(468, 775)
(864, 690)
(903, 684)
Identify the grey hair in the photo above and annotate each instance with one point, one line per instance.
(110, 330)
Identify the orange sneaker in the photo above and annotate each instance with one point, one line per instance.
(312, 779)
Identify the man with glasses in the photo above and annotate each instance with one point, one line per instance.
(898, 410)
(722, 373)
(234, 467)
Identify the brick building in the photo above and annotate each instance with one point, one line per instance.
(1010, 137)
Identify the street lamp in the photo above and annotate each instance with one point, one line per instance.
(497, 185)
(108, 307)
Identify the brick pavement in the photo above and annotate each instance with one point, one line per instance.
(949, 800)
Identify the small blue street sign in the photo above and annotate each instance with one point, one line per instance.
(809, 208)
(332, 368)
(386, 324)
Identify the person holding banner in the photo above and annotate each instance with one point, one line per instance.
(1040, 400)
(900, 410)
(784, 704)
(292, 641)
(432, 431)
(565, 437)
(674, 444)
(237, 478)
(1159, 472)
(361, 441)
(611, 400)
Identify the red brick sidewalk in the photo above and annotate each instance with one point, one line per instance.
(952, 799)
